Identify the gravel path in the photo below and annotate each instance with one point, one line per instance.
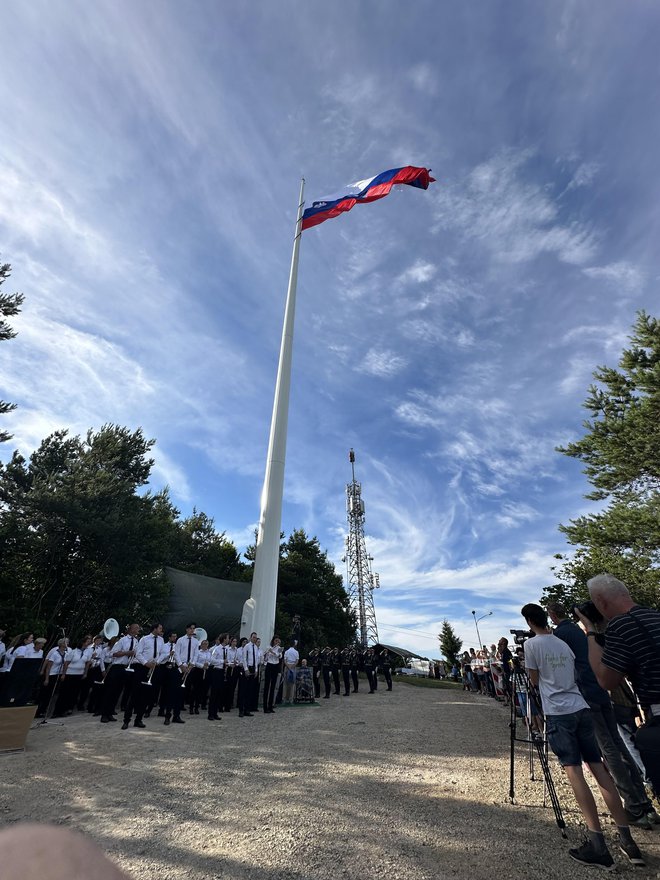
(410, 784)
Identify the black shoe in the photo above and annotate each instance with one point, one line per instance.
(588, 855)
(240, 714)
(196, 711)
(137, 723)
(167, 720)
(347, 695)
(124, 725)
(214, 718)
(178, 720)
(632, 851)
(146, 715)
(104, 719)
(326, 697)
(247, 714)
(161, 713)
(191, 711)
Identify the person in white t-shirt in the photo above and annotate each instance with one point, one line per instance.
(291, 658)
(550, 665)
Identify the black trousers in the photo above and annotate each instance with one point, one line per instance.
(647, 740)
(94, 677)
(371, 678)
(316, 676)
(335, 678)
(112, 687)
(246, 688)
(346, 674)
(217, 695)
(387, 672)
(233, 676)
(171, 699)
(135, 691)
(270, 680)
(326, 680)
(356, 680)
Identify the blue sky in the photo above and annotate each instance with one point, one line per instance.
(150, 156)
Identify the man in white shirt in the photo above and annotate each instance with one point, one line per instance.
(122, 656)
(146, 658)
(251, 662)
(291, 658)
(550, 664)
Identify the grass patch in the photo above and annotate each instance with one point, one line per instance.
(428, 682)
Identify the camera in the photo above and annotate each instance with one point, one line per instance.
(589, 610)
(520, 636)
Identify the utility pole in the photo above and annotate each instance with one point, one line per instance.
(360, 579)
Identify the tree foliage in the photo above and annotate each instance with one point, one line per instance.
(309, 586)
(621, 454)
(450, 644)
(199, 548)
(10, 306)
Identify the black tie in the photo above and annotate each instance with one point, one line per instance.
(155, 646)
(254, 659)
(132, 640)
(189, 647)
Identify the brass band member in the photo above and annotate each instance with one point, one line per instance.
(202, 678)
(232, 673)
(149, 649)
(273, 666)
(117, 678)
(171, 691)
(220, 677)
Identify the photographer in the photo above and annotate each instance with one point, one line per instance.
(632, 649)
(620, 763)
(550, 664)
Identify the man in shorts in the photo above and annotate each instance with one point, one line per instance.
(550, 665)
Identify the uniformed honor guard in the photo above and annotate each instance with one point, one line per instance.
(386, 667)
(335, 666)
(314, 660)
(346, 669)
(370, 669)
(325, 659)
(355, 666)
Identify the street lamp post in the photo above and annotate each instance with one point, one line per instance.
(476, 622)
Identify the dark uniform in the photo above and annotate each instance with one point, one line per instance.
(355, 666)
(335, 666)
(370, 668)
(314, 660)
(386, 667)
(346, 670)
(325, 660)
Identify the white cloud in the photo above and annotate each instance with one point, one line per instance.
(424, 78)
(515, 219)
(624, 276)
(382, 363)
(419, 273)
(515, 514)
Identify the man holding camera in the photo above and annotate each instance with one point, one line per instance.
(620, 763)
(550, 665)
(632, 650)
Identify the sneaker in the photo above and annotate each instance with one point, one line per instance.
(588, 855)
(632, 851)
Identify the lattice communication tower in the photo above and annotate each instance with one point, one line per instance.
(360, 579)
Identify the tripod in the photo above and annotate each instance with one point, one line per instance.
(535, 741)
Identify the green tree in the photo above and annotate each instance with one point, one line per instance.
(80, 539)
(10, 305)
(621, 454)
(309, 587)
(450, 644)
(199, 548)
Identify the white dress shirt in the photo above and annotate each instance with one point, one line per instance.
(234, 658)
(251, 656)
(95, 657)
(220, 656)
(76, 662)
(58, 662)
(28, 652)
(186, 650)
(149, 648)
(273, 654)
(3, 651)
(291, 657)
(168, 654)
(126, 643)
(203, 659)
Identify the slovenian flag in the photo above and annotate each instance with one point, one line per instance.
(365, 191)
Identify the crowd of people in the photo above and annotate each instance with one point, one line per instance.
(168, 675)
(588, 680)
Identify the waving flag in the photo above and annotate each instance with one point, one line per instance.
(365, 191)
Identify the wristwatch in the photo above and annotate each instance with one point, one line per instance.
(592, 632)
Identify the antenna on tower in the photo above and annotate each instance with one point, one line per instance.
(361, 581)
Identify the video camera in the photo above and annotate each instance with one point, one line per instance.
(589, 610)
(520, 636)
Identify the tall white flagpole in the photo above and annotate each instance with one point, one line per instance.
(259, 609)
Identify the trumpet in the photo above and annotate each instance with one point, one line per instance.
(185, 676)
(151, 675)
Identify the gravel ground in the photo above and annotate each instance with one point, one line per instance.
(410, 784)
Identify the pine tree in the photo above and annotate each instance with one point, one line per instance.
(10, 305)
(450, 644)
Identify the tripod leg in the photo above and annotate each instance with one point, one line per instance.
(512, 757)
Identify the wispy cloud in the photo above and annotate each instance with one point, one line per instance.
(512, 215)
(624, 276)
(382, 363)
